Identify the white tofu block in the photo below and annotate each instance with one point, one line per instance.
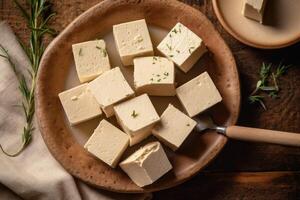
(182, 46)
(91, 59)
(154, 75)
(79, 104)
(147, 165)
(198, 94)
(110, 88)
(137, 117)
(107, 143)
(254, 9)
(174, 127)
(132, 40)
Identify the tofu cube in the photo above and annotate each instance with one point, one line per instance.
(79, 104)
(174, 127)
(132, 40)
(137, 117)
(182, 46)
(91, 59)
(110, 88)
(107, 143)
(254, 9)
(154, 75)
(147, 164)
(198, 94)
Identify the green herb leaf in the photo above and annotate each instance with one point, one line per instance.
(104, 53)
(273, 94)
(174, 31)
(169, 47)
(268, 88)
(264, 73)
(281, 69)
(263, 85)
(257, 99)
(191, 49)
(134, 114)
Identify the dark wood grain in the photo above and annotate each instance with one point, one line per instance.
(282, 114)
(245, 185)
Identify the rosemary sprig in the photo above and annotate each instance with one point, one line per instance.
(266, 73)
(259, 99)
(37, 18)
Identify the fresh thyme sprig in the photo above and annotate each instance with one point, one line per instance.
(37, 18)
(266, 73)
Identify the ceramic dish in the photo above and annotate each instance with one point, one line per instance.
(57, 73)
(281, 23)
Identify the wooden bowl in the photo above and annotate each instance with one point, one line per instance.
(57, 73)
(281, 26)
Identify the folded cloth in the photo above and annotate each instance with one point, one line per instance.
(34, 174)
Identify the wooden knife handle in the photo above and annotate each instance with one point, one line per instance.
(263, 135)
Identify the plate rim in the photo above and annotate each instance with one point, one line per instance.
(218, 12)
(194, 171)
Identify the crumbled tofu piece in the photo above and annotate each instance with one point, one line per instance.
(147, 165)
(91, 59)
(198, 94)
(154, 75)
(182, 46)
(137, 117)
(174, 127)
(110, 88)
(254, 9)
(132, 40)
(107, 143)
(79, 104)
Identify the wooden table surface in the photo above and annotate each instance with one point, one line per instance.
(243, 170)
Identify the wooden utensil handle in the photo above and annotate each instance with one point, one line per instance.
(263, 135)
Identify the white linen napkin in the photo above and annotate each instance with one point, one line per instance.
(34, 174)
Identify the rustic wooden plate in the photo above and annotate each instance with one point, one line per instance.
(57, 73)
(281, 27)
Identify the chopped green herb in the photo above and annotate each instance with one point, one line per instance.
(134, 114)
(80, 52)
(166, 73)
(102, 50)
(158, 80)
(151, 79)
(169, 47)
(177, 51)
(191, 49)
(154, 59)
(171, 56)
(174, 31)
(104, 53)
(188, 124)
(157, 75)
